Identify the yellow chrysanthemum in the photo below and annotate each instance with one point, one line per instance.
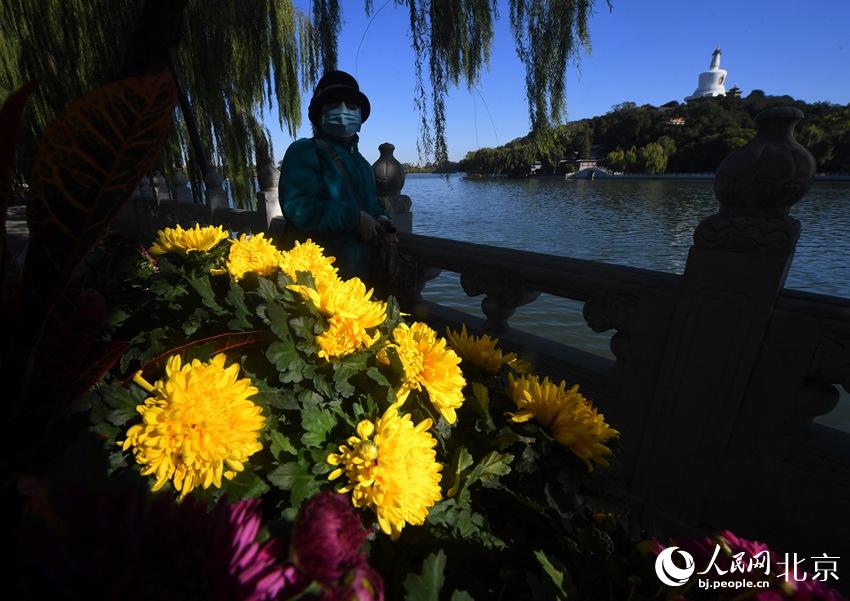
(197, 426)
(308, 256)
(430, 364)
(478, 350)
(178, 240)
(350, 312)
(571, 418)
(391, 466)
(252, 254)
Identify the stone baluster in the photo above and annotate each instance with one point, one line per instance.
(160, 186)
(147, 211)
(389, 180)
(503, 295)
(182, 193)
(216, 194)
(713, 399)
(268, 204)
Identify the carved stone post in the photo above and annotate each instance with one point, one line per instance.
(268, 204)
(182, 193)
(146, 210)
(503, 296)
(216, 196)
(160, 186)
(389, 180)
(734, 273)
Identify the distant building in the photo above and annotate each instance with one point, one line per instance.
(675, 121)
(734, 92)
(579, 164)
(711, 81)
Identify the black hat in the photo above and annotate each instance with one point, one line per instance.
(333, 87)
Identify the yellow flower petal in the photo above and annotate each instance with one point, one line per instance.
(198, 420)
(429, 364)
(570, 417)
(178, 240)
(391, 467)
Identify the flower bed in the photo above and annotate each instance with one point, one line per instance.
(311, 442)
(229, 420)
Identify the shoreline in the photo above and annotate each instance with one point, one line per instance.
(641, 176)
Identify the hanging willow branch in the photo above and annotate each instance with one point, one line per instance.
(456, 35)
(237, 57)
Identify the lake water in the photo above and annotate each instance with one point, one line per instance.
(639, 223)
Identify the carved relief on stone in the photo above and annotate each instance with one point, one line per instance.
(504, 294)
(399, 203)
(410, 281)
(744, 234)
(607, 310)
(831, 362)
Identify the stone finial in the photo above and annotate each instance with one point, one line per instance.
(268, 175)
(389, 174)
(182, 193)
(216, 196)
(768, 174)
(146, 191)
(160, 186)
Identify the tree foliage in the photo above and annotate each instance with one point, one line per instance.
(240, 56)
(682, 138)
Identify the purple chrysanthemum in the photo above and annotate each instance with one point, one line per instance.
(328, 538)
(121, 546)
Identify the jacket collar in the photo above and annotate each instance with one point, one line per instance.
(349, 144)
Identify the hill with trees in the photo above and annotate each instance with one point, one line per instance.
(676, 137)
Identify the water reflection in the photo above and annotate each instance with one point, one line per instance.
(646, 224)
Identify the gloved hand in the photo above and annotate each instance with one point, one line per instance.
(387, 224)
(369, 229)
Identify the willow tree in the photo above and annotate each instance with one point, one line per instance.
(236, 57)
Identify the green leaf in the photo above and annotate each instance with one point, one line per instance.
(246, 485)
(297, 479)
(165, 291)
(558, 576)
(460, 461)
(393, 313)
(280, 444)
(345, 369)
(303, 327)
(426, 586)
(203, 287)
(317, 423)
(277, 321)
(375, 374)
(461, 596)
(489, 469)
(267, 290)
(198, 318)
(236, 299)
(286, 359)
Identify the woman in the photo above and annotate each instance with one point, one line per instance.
(327, 189)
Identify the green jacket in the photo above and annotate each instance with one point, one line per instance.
(318, 203)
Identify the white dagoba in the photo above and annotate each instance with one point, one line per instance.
(711, 81)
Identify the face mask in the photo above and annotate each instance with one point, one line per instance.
(341, 121)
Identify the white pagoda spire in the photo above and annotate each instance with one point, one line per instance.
(711, 81)
(715, 60)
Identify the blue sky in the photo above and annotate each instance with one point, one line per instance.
(646, 52)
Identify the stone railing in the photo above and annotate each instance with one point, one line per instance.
(718, 373)
(155, 205)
